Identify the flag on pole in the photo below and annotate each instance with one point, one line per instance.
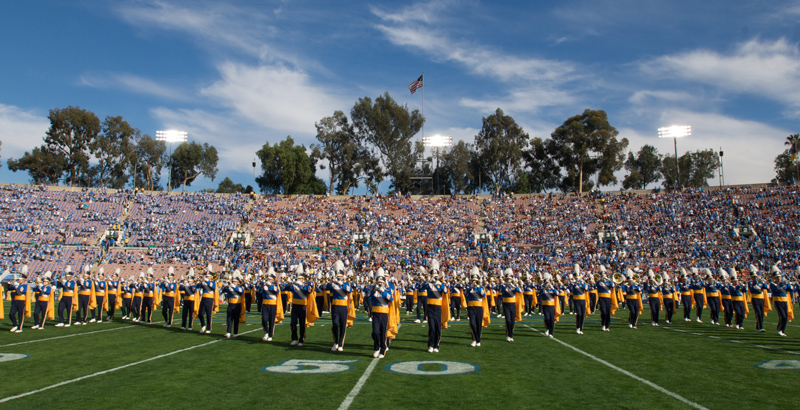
(416, 85)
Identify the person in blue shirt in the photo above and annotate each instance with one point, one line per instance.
(756, 288)
(548, 296)
(509, 292)
(654, 295)
(605, 296)
(435, 291)
(685, 288)
(112, 295)
(84, 295)
(339, 291)
(475, 295)
(19, 291)
(168, 289)
(422, 299)
(99, 298)
(578, 290)
(42, 297)
(668, 295)
(67, 288)
(188, 289)
(738, 292)
(713, 298)
(781, 292)
(698, 286)
(148, 300)
(269, 292)
(381, 297)
(633, 300)
(300, 293)
(206, 310)
(234, 294)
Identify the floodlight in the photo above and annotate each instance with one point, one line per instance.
(438, 141)
(675, 131)
(172, 136)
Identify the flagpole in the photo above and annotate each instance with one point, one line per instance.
(423, 104)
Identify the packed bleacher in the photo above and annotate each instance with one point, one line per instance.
(51, 228)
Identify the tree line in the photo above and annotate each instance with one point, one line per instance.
(375, 144)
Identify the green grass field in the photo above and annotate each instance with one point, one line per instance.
(683, 365)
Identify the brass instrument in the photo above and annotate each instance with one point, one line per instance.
(658, 279)
(617, 278)
(596, 277)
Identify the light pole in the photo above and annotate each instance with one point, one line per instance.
(436, 142)
(721, 169)
(675, 132)
(171, 136)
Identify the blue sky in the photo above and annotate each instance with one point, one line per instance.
(239, 74)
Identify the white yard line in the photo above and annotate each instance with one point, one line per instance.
(627, 373)
(7, 399)
(357, 388)
(733, 341)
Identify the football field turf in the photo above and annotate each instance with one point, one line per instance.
(677, 366)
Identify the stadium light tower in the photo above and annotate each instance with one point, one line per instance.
(171, 136)
(436, 142)
(675, 132)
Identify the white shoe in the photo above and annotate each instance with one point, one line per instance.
(458, 320)
(100, 321)
(510, 339)
(84, 323)
(656, 325)
(547, 333)
(13, 329)
(300, 344)
(208, 332)
(435, 350)
(341, 349)
(370, 319)
(269, 339)
(235, 335)
(376, 354)
(424, 321)
(183, 328)
(227, 335)
(478, 344)
(294, 343)
(779, 333)
(20, 331)
(578, 331)
(59, 325)
(416, 321)
(335, 347)
(688, 320)
(40, 328)
(430, 350)
(380, 356)
(551, 336)
(202, 329)
(67, 325)
(265, 338)
(474, 343)
(35, 327)
(716, 323)
(699, 321)
(630, 325)
(93, 321)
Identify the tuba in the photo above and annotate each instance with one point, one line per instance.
(658, 279)
(617, 278)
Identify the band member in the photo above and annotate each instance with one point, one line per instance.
(381, 297)
(591, 289)
(653, 291)
(687, 299)
(758, 297)
(270, 293)
(67, 301)
(738, 294)
(169, 291)
(551, 309)
(455, 301)
(579, 291)
(301, 292)
(340, 297)
(248, 293)
(713, 300)
(781, 292)
(528, 290)
(422, 299)
(190, 302)
(633, 300)
(411, 296)
(725, 297)
(606, 301)
(436, 295)
(128, 290)
(100, 286)
(209, 295)
(668, 297)
(20, 303)
(85, 291)
(138, 295)
(148, 300)
(44, 303)
(477, 309)
(234, 293)
(509, 293)
(699, 294)
(113, 293)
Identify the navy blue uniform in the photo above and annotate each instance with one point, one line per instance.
(269, 294)
(380, 301)
(338, 310)
(475, 295)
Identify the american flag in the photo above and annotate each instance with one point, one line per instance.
(416, 85)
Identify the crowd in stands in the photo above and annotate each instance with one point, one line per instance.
(48, 229)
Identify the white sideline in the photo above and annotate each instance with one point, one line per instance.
(65, 336)
(357, 388)
(627, 373)
(7, 399)
(733, 341)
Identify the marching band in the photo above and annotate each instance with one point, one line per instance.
(438, 295)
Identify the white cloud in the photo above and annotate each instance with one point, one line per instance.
(767, 68)
(642, 96)
(20, 130)
(134, 83)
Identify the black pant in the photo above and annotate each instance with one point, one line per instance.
(127, 304)
(83, 307)
(112, 306)
(604, 304)
(549, 313)
(783, 315)
(40, 309)
(268, 313)
(669, 309)
(232, 317)
(528, 299)
(409, 303)
(655, 308)
(633, 314)
(698, 301)
(592, 302)
(727, 306)
(758, 308)
(509, 314)
(65, 304)
(285, 301)
(187, 316)
(205, 312)
(738, 309)
(580, 313)
(686, 301)
(339, 321)
(298, 319)
(97, 313)
(259, 300)
(475, 314)
(380, 324)
(17, 312)
(136, 307)
(248, 300)
(713, 306)
(146, 314)
(455, 305)
(434, 313)
(422, 305)
(167, 306)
